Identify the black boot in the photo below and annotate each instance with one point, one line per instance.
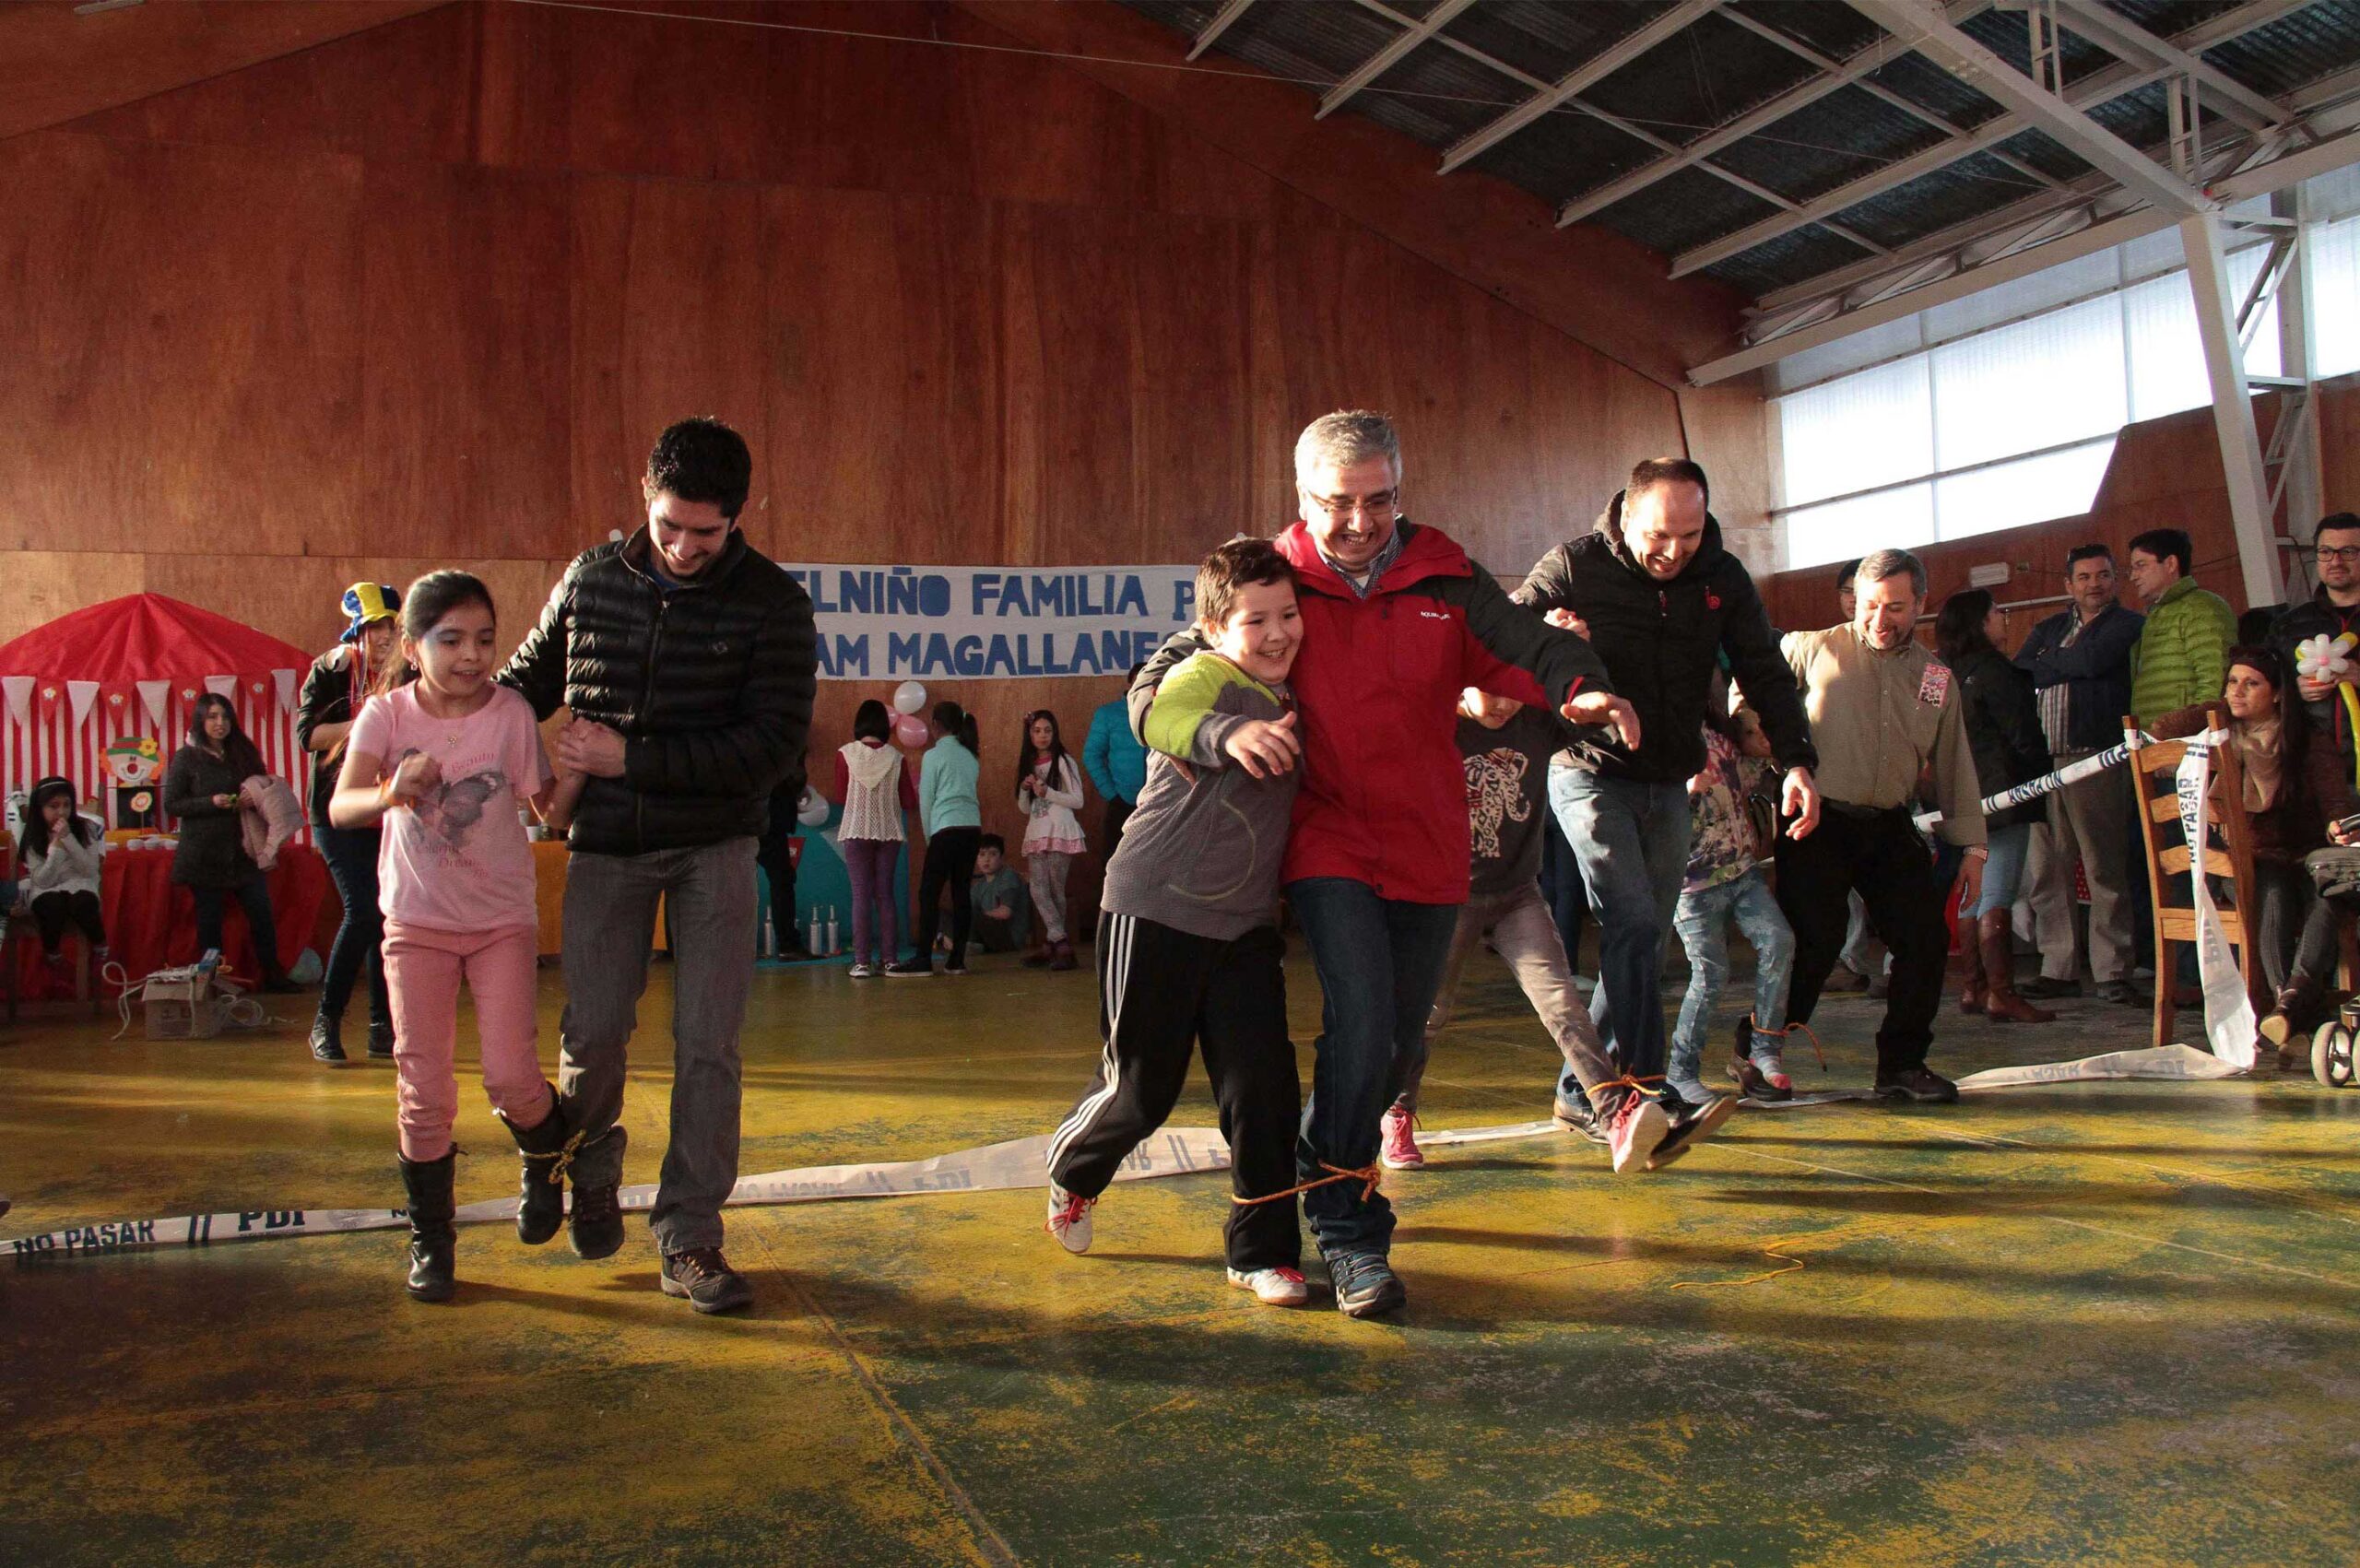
(381, 1040)
(433, 1241)
(540, 1207)
(597, 1220)
(327, 1042)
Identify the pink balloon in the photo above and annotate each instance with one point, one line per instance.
(910, 732)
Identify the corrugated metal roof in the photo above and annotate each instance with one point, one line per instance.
(1544, 40)
(1819, 146)
(1438, 95)
(1714, 70)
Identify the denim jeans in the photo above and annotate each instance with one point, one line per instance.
(352, 855)
(2003, 872)
(1632, 841)
(1380, 963)
(1703, 921)
(609, 932)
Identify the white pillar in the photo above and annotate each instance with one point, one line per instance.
(2305, 485)
(2216, 323)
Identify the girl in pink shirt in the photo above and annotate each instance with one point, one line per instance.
(443, 758)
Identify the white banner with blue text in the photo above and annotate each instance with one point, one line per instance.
(992, 622)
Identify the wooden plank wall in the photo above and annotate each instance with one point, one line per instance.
(422, 296)
(2165, 473)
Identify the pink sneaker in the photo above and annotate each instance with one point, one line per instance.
(1401, 1142)
(1639, 1126)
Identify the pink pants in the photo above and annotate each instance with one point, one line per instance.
(423, 967)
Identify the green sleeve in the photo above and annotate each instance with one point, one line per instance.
(1176, 720)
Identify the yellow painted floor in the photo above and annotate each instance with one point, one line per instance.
(2083, 1324)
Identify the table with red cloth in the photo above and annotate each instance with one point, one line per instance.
(151, 924)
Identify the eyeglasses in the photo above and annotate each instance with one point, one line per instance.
(1381, 504)
(2346, 553)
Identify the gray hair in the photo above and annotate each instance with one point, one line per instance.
(1348, 436)
(1883, 564)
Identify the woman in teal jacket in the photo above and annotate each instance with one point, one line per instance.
(952, 817)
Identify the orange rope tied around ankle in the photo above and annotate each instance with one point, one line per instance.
(1627, 1081)
(559, 1158)
(1780, 1035)
(1369, 1174)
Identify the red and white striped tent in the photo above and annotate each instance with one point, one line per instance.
(133, 666)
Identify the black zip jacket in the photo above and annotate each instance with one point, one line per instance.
(710, 682)
(2330, 726)
(327, 700)
(2003, 731)
(1661, 641)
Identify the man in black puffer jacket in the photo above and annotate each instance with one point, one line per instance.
(688, 660)
(1663, 602)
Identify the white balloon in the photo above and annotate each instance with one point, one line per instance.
(812, 809)
(909, 697)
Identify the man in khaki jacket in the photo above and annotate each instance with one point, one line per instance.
(1883, 710)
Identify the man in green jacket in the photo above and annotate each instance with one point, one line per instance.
(2183, 652)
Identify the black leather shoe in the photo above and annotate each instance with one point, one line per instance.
(327, 1046)
(381, 1040)
(540, 1203)
(597, 1222)
(1920, 1084)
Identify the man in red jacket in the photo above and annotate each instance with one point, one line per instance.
(1396, 621)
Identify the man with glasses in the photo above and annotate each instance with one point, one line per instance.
(2184, 648)
(2331, 611)
(1397, 622)
(2080, 663)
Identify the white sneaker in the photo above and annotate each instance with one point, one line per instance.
(1273, 1287)
(864, 972)
(1639, 1126)
(1069, 1219)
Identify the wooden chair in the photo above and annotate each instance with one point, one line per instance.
(2154, 767)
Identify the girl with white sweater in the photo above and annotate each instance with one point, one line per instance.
(1048, 791)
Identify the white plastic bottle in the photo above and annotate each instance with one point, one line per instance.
(832, 950)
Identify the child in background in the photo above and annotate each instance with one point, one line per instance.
(1003, 914)
(442, 760)
(1188, 945)
(59, 851)
(1506, 747)
(1724, 883)
(1048, 791)
(952, 817)
(876, 789)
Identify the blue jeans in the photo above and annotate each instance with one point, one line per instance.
(1632, 841)
(2004, 873)
(1380, 963)
(1703, 921)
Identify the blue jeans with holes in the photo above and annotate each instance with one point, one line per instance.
(1632, 841)
(1380, 963)
(1703, 923)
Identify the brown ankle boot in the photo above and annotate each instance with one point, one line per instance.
(2000, 1003)
(1971, 996)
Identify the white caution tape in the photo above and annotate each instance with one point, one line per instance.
(2047, 783)
(2171, 1062)
(2228, 1011)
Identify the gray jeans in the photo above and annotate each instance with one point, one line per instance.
(1524, 933)
(610, 930)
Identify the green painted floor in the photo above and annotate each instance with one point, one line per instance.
(2086, 1324)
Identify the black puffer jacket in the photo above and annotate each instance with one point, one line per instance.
(2003, 731)
(711, 684)
(1662, 640)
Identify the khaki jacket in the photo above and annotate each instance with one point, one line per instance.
(1879, 719)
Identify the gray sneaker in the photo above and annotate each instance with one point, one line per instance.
(705, 1277)
(1366, 1284)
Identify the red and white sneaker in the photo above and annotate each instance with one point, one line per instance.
(1639, 1126)
(1273, 1287)
(1401, 1152)
(1069, 1219)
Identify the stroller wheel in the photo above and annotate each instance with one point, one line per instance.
(2332, 1053)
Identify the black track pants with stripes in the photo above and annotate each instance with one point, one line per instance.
(1160, 992)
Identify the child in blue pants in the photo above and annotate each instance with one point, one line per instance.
(1724, 883)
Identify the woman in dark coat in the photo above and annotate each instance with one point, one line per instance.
(2003, 731)
(201, 789)
(338, 683)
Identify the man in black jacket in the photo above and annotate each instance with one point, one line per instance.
(2331, 612)
(1663, 602)
(2080, 663)
(687, 662)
